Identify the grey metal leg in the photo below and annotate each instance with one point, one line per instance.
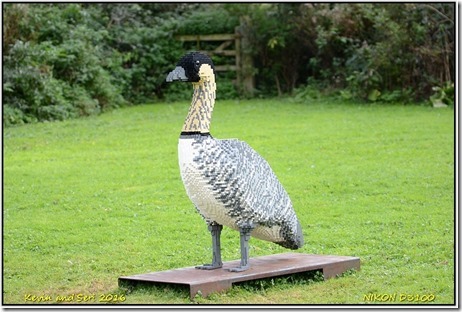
(245, 237)
(215, 230)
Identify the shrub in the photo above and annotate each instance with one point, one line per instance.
(443, 95)
(29, 86)
(374, 52)
(58, 73)
(207, 19)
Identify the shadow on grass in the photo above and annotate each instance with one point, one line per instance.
(261, 285)
(167, 290)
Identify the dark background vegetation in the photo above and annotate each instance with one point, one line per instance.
(65, 60)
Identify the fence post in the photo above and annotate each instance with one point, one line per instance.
(247, 80)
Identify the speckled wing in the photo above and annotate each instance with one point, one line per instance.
(233, 185)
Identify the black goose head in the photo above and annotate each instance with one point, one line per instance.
(189, 66)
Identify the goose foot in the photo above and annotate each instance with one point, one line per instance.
(208, 267)
(239, 268)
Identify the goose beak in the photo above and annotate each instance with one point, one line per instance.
(178, 74)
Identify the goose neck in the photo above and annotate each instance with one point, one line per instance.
(200, 112)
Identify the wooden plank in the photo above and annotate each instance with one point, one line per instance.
(224, 45)
(207, 282)
(215, 52)
(224, 52)
(214, 37)
(225, 67)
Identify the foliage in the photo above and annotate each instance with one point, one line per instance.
(385, 46)
(207, 19)
(68, 60)
(272, 32)
(443, 96)
(375, 52)
(142, 37)
(56, 72)
(63, 60)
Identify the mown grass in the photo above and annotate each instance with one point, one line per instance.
(89, 200)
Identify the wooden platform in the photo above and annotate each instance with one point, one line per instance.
(207, 282)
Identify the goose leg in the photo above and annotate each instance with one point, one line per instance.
(245, 237)
(215, 230)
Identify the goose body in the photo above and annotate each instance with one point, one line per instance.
(228, 182)
(231, 184)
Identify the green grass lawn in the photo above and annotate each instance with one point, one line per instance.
(89, 200)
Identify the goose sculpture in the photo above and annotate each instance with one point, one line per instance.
(228, 182)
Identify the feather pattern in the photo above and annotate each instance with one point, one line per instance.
(231, 184)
